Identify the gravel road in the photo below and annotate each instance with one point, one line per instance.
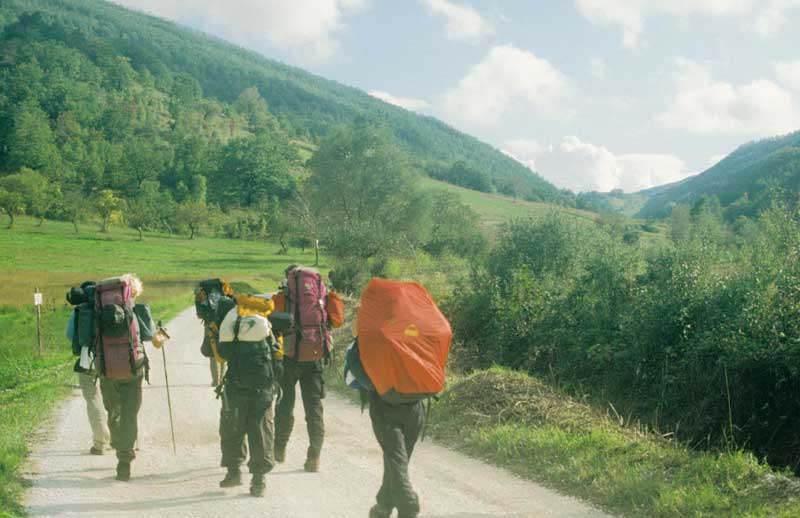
(68, 482)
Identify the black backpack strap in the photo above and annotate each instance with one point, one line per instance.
(128, 319)
(298, 332)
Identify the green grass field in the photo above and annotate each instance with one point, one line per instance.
(53, 258)
(495, 209)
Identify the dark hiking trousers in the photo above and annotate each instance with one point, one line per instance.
(312, 390)
(397, 428)
(122, 400)
(247, 411)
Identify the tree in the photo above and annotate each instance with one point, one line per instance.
(193, 214)
(27, 191)
(109, 207)
(143, 212)
(255, 169)
(680, 223)
(32, 143)
(40, 194)
(364, 195)
(12, 200)
(454, 227)
(75, 207)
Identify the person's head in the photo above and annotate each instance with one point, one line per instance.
(290, 268)
(134, 282)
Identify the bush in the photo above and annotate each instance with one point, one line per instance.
(694, 337)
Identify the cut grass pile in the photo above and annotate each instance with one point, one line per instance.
(519, 422)
(53, 258)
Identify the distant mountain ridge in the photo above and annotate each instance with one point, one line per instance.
(745, 182)
(307, 106)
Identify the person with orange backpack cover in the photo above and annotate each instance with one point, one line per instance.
(397, 361)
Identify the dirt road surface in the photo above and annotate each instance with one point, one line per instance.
(68, 482)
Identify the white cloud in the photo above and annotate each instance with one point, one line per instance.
(582, 166)
(507, 77)
(413, 105)
(630, 15)
(773, 19)
(789, 73)
(705, 106)
(598, 67)
(462, 22)
(308, 28)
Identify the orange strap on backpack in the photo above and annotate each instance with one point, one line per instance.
(334, 305)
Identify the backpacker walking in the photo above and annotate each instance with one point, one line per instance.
(122, 327)
(254, 357)
(208, 296)
(308, 348)
(397, 361)
(80, 333)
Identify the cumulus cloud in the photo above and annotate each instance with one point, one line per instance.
(583, 166)
(462, 22)
(413, 105)
(706, 106)
(788, 72)
(773, 19)
(630, 15)
(506, 77)
(308, 28)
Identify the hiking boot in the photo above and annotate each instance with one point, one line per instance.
(379, 511)
(257, 486)
(280, 454)
(123, 471)
(95, 450)
(311, 465)
(232, 479)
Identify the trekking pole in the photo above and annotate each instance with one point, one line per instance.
(162, 330)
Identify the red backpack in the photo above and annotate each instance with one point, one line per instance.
(310, 339)
(117, 330)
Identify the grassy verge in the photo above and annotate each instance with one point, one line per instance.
(515, 421)
(53, 258)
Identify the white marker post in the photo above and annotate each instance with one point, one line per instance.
(37, 302)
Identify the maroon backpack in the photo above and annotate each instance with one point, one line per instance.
(310, 338)
(117, 330)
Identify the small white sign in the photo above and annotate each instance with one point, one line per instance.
(37, 299)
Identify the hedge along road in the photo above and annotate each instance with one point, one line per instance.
(68, 482)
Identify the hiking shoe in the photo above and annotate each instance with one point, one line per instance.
(311, 465)
(280, 454)
(379, 511)
(123, 471)
(95, 451)
(257, 486)
(232, 479)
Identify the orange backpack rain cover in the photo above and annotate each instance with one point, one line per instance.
(403, 338)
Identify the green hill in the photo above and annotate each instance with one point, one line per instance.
(494, 209)
(745, 182)
(98, 64)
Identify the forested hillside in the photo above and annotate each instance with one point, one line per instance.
(746, 182)
(96, 75)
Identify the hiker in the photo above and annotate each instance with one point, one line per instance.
(80, 333)
(254, 358)
(122, 328)
(397, 361)
(207, 297)
(308, 347)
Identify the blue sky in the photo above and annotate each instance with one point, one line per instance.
(592, 94)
